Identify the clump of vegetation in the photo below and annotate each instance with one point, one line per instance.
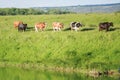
(29, 11)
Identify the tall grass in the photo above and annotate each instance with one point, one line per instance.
(87, 48)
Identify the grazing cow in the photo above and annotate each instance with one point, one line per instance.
(57, 26)
(16, 23)
(22, 27)
(105, 26)
(40, 25)
(75, 25)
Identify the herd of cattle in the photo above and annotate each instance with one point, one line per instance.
(58, 25)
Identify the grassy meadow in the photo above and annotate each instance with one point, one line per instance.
(87, 49)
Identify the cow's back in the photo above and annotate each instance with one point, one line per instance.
(78, 24)
(17, 23)
(57, 24)
(103, 25)
(40, 25)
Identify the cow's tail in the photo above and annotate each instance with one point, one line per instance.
(36, 29)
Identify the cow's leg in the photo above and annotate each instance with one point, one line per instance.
(53, 29)
(36, 29)
(18, 29)
(75, 28)
(42, 29)
(59, 29)
(24, 28)
(107, 29)
(71, 28)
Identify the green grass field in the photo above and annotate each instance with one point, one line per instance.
(87, 48)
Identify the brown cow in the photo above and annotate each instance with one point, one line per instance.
(16, 23)
(40, 25)
(57, 26)
(22, 27)
(105, 26)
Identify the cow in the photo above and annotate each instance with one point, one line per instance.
(57, 26)
(16, 23)
(75, 26)
(105, 26)
(22, 27)
(40, 25)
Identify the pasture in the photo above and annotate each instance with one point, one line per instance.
(87, 49)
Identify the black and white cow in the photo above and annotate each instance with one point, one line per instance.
(75, 26)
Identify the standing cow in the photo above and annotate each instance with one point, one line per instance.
(57, 26)
(22, 27)
(75, 26)
(105, 26)
(17, 23)
(40, 25)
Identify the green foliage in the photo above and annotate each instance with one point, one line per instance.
(29, 11)
(57, 11)
(87, 48)
(18, 11)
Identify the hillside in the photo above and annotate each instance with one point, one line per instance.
(103, 8)
(86, 49)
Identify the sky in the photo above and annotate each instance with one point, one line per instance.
(51, 3)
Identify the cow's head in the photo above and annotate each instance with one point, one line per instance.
(61, 25)
(111, 24)
(25, 25)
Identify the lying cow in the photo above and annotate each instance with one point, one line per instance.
(75, 26)
(57, 26)
(40, 25)
(105, 26)
(22, 27)
(16, 23)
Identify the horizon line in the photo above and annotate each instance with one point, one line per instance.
(68, 5)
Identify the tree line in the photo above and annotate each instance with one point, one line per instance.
(30, 11)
